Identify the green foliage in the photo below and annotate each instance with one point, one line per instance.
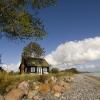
(42, 3)
(72, 70)
(33, 49)
(54, 70)
(16, 22)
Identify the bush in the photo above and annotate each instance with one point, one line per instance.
(72, 70)
(54, 70)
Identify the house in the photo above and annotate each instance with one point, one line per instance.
(1, 69)
(34, 65)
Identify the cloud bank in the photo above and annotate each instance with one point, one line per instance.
(76, 52)
(11, 67)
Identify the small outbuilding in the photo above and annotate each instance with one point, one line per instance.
(34, 65)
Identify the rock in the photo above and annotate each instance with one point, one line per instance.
(56, 89)
(57, 94)
(34, 83)
(54, 79)
(1, 97)
(31, 94)
(19, 92)
(14, 94)
(36, 87)
(44, 88)
(65, 86)
(51, 81)
(24, 86)
(36, 98)
(68, 79)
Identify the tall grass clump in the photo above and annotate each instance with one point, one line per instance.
(12, 80)
(6, 80)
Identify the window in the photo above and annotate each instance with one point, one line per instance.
(44, 69)
(32, 69)
(25, 69)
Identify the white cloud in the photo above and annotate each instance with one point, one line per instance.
(11, 67)
(76, 52)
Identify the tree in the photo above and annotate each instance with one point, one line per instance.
(54, 70)
(33, 50)
(16, 21)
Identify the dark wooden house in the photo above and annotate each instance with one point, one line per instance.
(1, 69)
(34, 65)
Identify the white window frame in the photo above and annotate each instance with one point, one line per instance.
(32, 69)
(45, 70)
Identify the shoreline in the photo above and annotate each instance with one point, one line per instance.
(94, 76)
(97, 78)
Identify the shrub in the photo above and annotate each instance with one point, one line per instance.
(54, 70)
(72, 70)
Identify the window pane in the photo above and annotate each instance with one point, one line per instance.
(44, 69)
(32, 69)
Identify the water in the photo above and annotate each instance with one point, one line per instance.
(94, 74)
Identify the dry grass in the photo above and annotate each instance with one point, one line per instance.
(6, 80)
(10, 80)
(60, 74)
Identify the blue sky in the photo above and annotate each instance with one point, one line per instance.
(69, 20)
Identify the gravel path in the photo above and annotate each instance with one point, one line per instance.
(83, 88)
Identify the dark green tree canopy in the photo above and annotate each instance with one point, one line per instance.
(33, 50)
(18, 23)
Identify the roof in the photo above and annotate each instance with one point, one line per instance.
(39, 62)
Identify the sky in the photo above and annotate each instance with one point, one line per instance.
(73, 38)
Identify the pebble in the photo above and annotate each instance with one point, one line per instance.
(82, 89)
(1, 97)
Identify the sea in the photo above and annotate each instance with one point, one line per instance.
(94, 74)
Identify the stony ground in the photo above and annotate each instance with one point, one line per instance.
(83, 88)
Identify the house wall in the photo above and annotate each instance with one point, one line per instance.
(38, 70)
(22, 68)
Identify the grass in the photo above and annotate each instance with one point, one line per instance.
(59, 74)
(7, 80)
(10, 80)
